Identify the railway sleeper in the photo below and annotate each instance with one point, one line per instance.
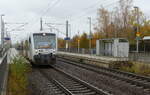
(94, 89)
(81, 91)
(84, 88)
(122, 73)
(80, 86)
(113, 75)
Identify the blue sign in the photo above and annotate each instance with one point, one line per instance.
(67, 38)
(138, 38)
(90, 37)
(7, 38)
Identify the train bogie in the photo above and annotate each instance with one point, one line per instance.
(45, 59)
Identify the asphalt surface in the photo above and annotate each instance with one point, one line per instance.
(2, 74)
(3, 68)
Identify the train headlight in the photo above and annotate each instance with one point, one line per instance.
(36, 51)
(44, 34)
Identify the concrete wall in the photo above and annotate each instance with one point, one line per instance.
(97, 48)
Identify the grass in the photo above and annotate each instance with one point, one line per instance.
(133, 67)
(17, 80)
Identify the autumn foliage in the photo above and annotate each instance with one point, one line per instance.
(121, 22)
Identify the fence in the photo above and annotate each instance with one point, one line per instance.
(133, 56)
(140, 57)
(81, 50)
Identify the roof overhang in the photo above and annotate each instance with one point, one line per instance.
(146, 38)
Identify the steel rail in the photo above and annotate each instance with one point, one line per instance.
(57, 84)
(97, 90)
(128, 77)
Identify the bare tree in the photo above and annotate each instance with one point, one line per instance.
(103, 21)
(125, 8)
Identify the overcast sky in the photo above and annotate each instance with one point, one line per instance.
(56, 11)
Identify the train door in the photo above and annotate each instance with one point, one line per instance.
(30, 49)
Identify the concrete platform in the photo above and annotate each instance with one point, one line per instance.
(4, 67)
(104, 59)
(1, 60)
(12, 53)
(4, 74)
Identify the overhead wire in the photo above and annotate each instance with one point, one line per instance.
(53, 5)
(88, 9)
(105, 4)
(85, 13)
(31, 19)
(91, 6)
(57, 1)
(50, 5)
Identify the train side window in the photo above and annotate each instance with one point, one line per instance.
(29, 40)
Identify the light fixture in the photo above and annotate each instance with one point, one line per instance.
(44, 34)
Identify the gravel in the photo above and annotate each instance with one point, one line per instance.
(39, 85)
(106, 83)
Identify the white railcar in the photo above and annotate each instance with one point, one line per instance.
(42, 48)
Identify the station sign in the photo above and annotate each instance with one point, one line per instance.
(138, 34)
(7, 38)
(90, 37)
(67, 38)
(138, 38)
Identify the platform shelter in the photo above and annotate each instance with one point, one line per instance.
(116, 47)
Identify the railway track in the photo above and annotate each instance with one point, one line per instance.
(133, 79)
(58, 88)
(67, 84)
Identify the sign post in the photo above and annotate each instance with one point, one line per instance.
(138, 38)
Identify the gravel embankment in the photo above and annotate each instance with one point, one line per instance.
(114, 86)
(39, 85)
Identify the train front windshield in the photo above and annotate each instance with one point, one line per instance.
(44, 41)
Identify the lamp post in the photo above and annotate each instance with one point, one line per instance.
(137, 32)
(2, 31)
(78, 42)
(90, 35)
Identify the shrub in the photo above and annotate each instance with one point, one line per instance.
(138, 68)
(17, 81)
